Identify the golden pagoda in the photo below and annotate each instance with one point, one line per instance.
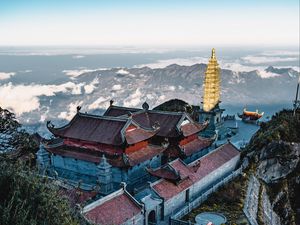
(211, 84)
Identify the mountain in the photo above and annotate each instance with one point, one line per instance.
(133, 86)
(282, 71)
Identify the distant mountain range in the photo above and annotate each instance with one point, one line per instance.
(133, 86)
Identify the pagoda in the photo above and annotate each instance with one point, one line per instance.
(211, 111)
(211, 84)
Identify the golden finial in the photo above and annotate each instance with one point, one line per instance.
(213, 54)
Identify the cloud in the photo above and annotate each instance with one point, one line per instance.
(89, 88)
(266, 59)
(180, 61)
(44, 115)
(72, 111)
(25, 98)
(134, 99)
(76, 73)
(78, 56)
(281, 53)
(6, 75)
(116, 87)
(25, 71)
(99, 103)
(265, 74)
(122, 71)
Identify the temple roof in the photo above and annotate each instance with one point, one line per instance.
(114, 209)
(102, 129)
(195, 145)
(169, 122)
(143, 154)
(173, 171)
(117, 111)
(195, 171)
(166, 121)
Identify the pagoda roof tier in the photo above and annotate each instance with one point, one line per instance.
(103, 129)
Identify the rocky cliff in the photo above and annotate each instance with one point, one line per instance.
(273, 154)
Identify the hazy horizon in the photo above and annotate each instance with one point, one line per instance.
(167, 23)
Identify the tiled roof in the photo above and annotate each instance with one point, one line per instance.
(119, 111)
(137, 134)
(165, 172)
(93, 128)
(167, 121)
(173, 171)
(114, 209)
(77, 196)
(195, 145)
(192, 128)
(143, 154)
(102, 129)
(208, 164)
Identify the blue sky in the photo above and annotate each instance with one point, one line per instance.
(157, 23)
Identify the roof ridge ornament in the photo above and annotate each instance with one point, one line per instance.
(145, 106)
(49, 124)
(78, 108)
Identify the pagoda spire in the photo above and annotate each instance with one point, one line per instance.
(211, 84)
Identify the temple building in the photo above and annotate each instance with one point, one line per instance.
(179, 185)
(210, 110)
(102, 151)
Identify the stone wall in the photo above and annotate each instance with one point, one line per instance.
(252, 200)
(268, 214)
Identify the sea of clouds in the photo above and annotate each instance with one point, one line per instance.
(26, 98)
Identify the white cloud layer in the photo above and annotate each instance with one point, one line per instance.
(77, 72)
(6, 75)
(99, 103)
(24, 98)
(180, 61)
(269, 59)
(89, 88)
(71, 112)
(134, 99)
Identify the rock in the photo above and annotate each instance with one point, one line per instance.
(277, 161)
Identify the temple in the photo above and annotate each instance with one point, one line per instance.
(118, 146)
(140, 166)
(210, 110)
(250, 117)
